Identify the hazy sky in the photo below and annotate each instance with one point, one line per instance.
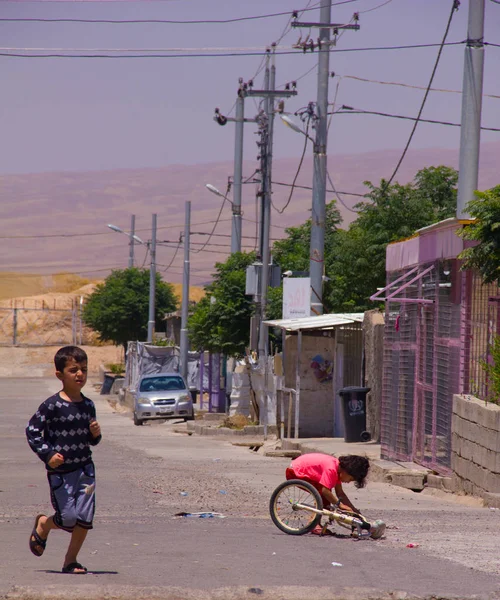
(91, 114)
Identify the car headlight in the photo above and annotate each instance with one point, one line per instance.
(185, 398)
(144, 401)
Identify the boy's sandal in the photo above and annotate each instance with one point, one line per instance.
(37, 544)
(75, 568)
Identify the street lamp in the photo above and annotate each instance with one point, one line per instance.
(317, 243)
(132, 238)
(287, 120)
(151, 245)
(236, 222)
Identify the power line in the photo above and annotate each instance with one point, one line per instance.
(173, 257)
(337, 194)
(362, 12)
(163, 21)
(308, 187)
(216, 222)
(221, 54)
(306, 140)
(407, 85)
(350, 111)
(454, 8)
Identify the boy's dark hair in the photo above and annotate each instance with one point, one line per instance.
(64, 354)
(357, 467)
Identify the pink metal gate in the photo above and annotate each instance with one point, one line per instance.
(421, 363)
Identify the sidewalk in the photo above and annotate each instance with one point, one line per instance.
(404, 474)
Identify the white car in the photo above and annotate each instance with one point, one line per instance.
(162, 396)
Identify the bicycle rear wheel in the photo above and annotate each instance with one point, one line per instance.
(284, 511)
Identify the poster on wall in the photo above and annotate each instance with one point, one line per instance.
(296, 297)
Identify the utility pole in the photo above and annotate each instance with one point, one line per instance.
(238, 168)
(472, 95)
(265, 123)
(184, 344)
(152, 281)
(131, 242)
(317, 245)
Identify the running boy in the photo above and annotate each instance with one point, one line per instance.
(327, 473)
(61, 433)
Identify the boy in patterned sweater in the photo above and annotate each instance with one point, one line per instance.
(61, 433)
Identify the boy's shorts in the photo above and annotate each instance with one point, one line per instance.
(73, 497)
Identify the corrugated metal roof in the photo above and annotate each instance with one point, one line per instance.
(318, 322)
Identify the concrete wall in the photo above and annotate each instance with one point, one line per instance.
(475, 444)
(373, 334)
(316, 390)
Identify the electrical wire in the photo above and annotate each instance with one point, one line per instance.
(173, 257)
(163, 21)
(393, 116)
(337, 195)
(145, 257)
(454, 8)
(216, 221)
(222, 54)
(407, 85)
(306, 136)
(362, 12)
(308, 187)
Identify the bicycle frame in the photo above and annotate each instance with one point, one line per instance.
(358, 524)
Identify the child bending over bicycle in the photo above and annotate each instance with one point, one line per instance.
(327, 474)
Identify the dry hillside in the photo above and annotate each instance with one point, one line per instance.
(55, 222)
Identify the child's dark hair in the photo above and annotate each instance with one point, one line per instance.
(64, 354)
(357, 467)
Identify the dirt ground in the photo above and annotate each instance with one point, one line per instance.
(39, 361)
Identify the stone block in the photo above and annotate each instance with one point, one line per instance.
(380, 469)
(446, 484)
(465, 407)
(491, 500)
(411, 480)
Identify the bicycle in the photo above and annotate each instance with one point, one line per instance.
(296, 508)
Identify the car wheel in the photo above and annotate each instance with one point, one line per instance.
(137, 421)
(190, 417)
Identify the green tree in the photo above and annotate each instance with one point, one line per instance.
(220, 322)
(118, 309)
(485, 230)
(292, 253)
(356, 265)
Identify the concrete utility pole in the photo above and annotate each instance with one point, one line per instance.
(131, 242)
(238, 169)
(152, 281)
(317, 245)
(184, 343)
(265, 122)
(472, 95)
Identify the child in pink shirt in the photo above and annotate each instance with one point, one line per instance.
(327, 473)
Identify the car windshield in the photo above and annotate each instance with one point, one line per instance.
(162, 384)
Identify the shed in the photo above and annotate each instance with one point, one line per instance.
(321, 355)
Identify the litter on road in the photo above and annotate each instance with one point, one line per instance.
(201, 515)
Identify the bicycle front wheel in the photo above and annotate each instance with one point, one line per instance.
(284, 509)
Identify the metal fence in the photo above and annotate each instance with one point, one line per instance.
(421, 364)
(40, 326)
(481, 324)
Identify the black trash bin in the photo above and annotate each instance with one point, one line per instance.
(354, 411)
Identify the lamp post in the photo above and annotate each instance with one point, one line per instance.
(131, 241)
(152, 269)
(152, 281)
(236, 223)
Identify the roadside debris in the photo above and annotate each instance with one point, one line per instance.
(412, 545)
(336, 564)
(201, 515)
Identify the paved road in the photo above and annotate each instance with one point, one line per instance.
(138, 549)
